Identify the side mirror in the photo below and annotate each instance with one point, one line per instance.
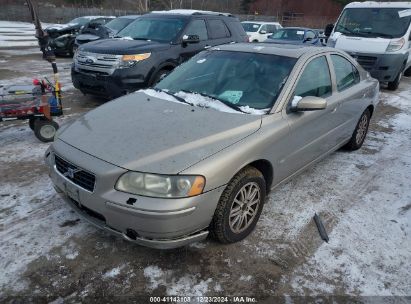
(263, 32)
(308, 103)
(328, 30)
(191, 39)
(307, 39)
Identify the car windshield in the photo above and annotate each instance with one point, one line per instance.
(288, 34)
(237, 79)
(80, 20)
(118, 24)
(374, 22)
(250, 27)
(156, 29)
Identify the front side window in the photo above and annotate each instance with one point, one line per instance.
(347, 75)
(156, 29)
(237, 79)
(118, 24)
(197, 27)
(218, 29)
(374, 22)
(271, 28)
(315, 79)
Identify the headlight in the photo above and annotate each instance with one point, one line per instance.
(130, 60)
(395, 45)
(168, 186)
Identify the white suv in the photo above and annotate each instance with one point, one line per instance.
(259, 31)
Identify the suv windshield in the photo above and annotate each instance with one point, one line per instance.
(156, 29)
(118, 24)
(288, 34)
(250, 27)
(373, 22)
(237, 79)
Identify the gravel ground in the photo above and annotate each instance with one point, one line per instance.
(48, 254)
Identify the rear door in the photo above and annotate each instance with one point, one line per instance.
(219, 32)
(354, 96)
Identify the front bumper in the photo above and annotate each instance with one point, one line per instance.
(151, 222)
(121, 82)
(384, 67)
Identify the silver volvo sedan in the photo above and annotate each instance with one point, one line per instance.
(198, 153)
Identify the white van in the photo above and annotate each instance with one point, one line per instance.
(259, 31)
(378, 36)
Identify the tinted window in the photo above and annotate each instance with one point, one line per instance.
(157, 29)
(346, 74)
(315, 80)
(235, 78)
(197, 27)
(271, 28)
(218, 29)
(118, 24)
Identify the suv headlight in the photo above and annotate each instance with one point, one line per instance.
(130, 60)
(395, 45)
(163, 186)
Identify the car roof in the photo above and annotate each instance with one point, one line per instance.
(297, 28)
(130, 16)
(373, 4)
(260, 22)
(187, 12)
(286, 50)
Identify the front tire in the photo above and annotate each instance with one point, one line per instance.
(360, 132)
(239, 207)
(393, 85)
(407, 72)
(45, 130)
(160, 75)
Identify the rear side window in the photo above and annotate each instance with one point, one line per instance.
(346, 73)
(218, 29)
(197, 27)
(310, 34)
(315, 79)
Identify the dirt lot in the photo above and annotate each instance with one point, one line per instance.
(48, 254)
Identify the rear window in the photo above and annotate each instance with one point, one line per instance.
(218, 29)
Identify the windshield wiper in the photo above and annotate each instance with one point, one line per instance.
(232, 106)
(376, 34)
(349, 31)
(180, 99)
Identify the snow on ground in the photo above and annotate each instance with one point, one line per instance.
(370, 247)
(17, 34)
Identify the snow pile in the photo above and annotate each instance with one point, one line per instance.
(202, 101)
(187, 285)
(17, 34)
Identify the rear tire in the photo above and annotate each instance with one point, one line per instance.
(360, 132)
(239, 207)
(407, 72)
(393, 85)
(45, 130)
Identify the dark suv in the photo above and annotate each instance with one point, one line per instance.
(149, 48)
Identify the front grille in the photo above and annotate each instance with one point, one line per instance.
(77, 175)
(367, 62)
(98, 63)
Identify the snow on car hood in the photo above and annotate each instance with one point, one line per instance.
(146, 133)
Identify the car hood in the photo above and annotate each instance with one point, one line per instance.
(63, 27)
(283, 41)
(121, 46)
(361, 44)
(87, 37)
(144, 133)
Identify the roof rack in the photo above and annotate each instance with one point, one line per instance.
(192, 12)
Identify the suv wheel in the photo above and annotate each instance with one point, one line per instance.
(358, 136)
(407, 72)
(239, 207)
(160, 75)
(45, 129)
(393, 85)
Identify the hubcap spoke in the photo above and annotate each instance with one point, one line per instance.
(244, 207)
